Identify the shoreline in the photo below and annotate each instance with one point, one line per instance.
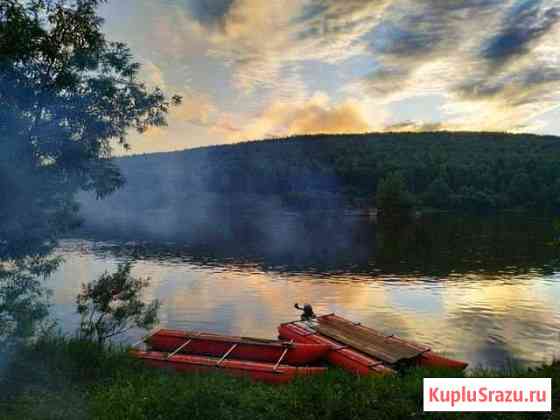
(68, 378)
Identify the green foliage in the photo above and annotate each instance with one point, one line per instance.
(23, 299)
(520, 187)
(393, 197)
(113, 305)
(450, 171)
(439, 193)
(74, 379)
(65, 93)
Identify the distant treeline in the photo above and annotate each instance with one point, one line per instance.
(473, 172)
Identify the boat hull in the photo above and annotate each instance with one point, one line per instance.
(432, 359)
(257, 371)
(339, 355)
(215, 345)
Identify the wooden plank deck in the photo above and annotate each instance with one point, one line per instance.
(368, 341)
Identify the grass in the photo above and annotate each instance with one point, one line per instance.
(60, 378)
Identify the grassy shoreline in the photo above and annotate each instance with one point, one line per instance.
(59, 378)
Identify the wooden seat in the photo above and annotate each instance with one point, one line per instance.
(386, 348)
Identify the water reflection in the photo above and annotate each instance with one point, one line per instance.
(332, 243)
(485, 290)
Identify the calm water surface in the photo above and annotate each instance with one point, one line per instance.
(486, 290)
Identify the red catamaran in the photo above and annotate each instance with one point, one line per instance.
(331, 338)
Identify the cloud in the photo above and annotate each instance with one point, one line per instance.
(493, 64)
(196, 108)
(507, 101)
(530, 84)
(210, 12)
(483, 56)
(318, 114)
(414, 30)
(416, 126)
(425, 46)
(515, 76)
(188, 126)
(346, 117)
(524, 24)
(152, 75)
(259, 39)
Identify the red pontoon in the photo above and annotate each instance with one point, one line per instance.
(274, 373)
(339, 354)
(241, 348)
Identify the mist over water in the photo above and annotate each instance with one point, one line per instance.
(485, 289)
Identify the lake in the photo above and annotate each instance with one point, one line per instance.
(482, 289)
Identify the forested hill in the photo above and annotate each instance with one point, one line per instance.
(444, 170)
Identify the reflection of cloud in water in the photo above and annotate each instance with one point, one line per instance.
(416, 299)
(519, 318)
(485, 319)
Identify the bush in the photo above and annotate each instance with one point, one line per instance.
(113, 305)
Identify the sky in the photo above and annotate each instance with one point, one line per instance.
(255, 69)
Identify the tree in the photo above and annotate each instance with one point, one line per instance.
(23, 299)
(113, 305)
(521, 188)
(66, 95)
(439, 194)
(394, 201)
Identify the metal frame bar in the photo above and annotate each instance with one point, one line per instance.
(143, 339)
(178, 349)
(227, 353)
(182, 346)
(280, 359)
(288, 346)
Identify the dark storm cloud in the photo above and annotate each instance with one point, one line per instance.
(525, 23)
(210, 12)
